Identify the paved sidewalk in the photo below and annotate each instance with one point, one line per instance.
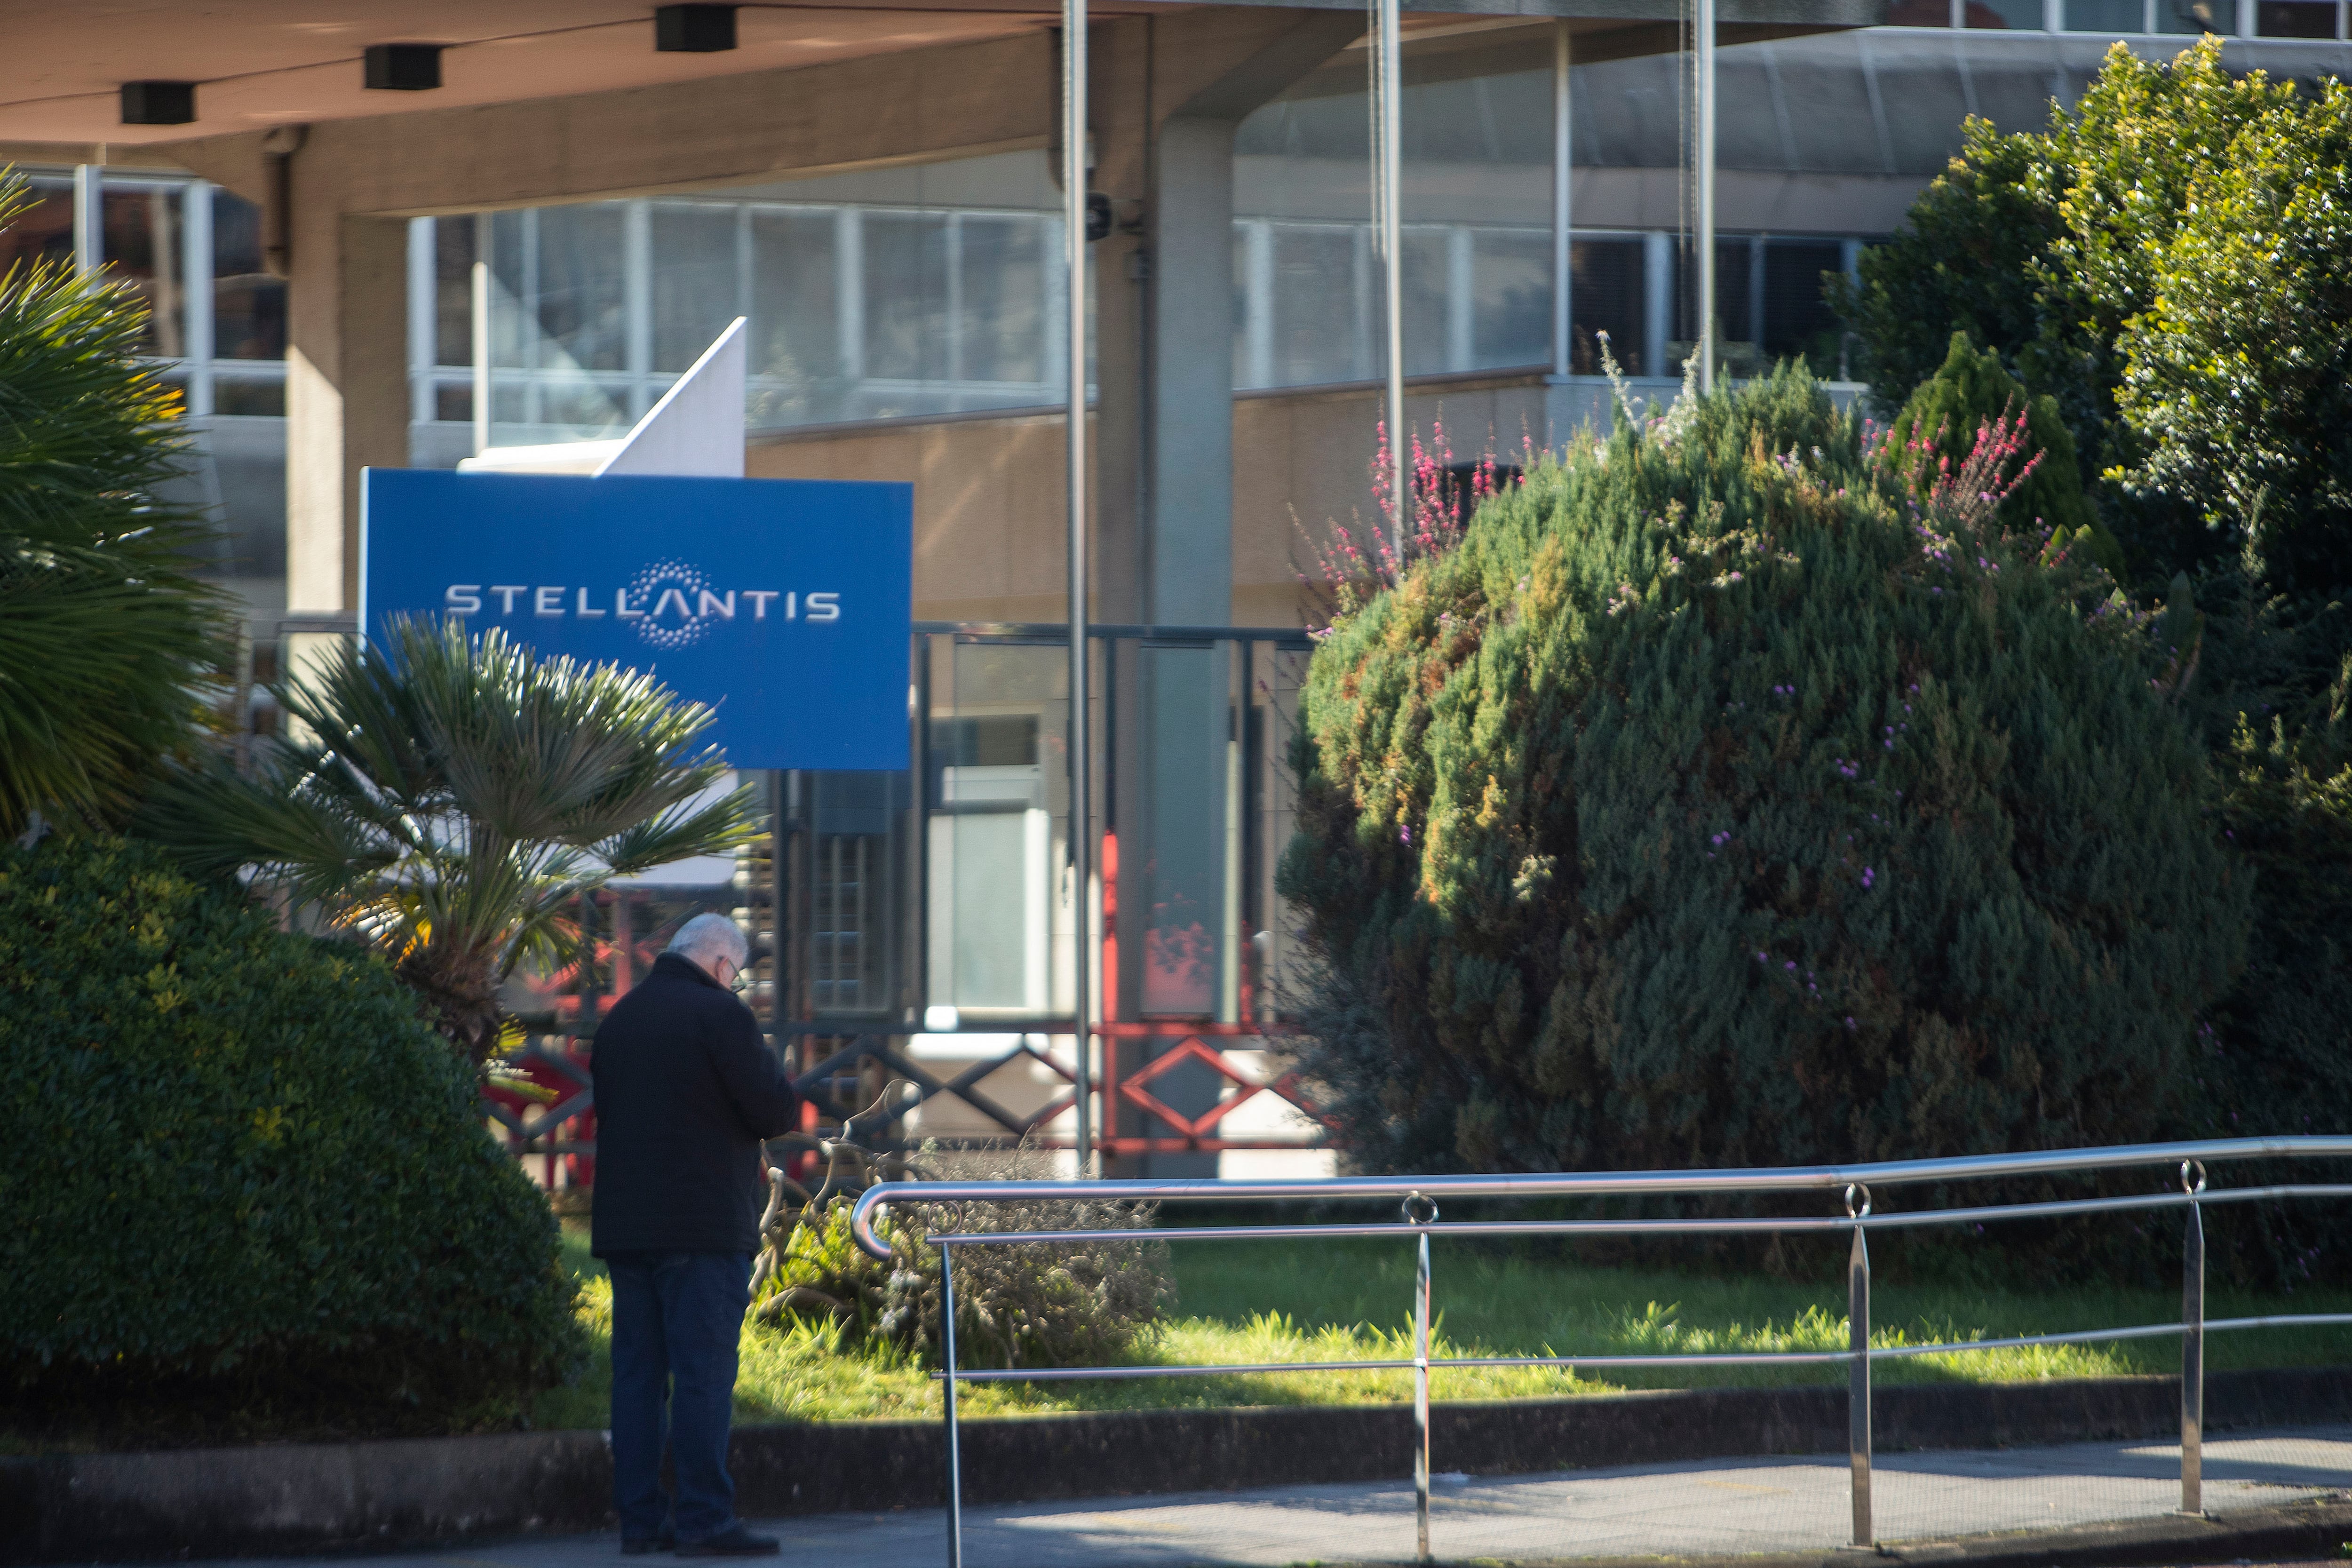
(1707, 1508)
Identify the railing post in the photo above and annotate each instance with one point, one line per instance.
(955, 1458)
(1857, 1307)
(2192, 1344)
(1419, 1210)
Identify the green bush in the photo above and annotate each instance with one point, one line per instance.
(2278, 1055)
(2238, 375)
(2160, 261)
(242, 1172)
(1965, 259)
(2166, 261)
(1969, 393)
(1715, 805)
(1035, 1304)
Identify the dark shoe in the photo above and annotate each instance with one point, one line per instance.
(736, 1542)
(637, 1546)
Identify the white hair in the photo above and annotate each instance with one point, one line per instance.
(707, 938)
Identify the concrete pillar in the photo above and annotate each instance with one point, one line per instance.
(1190, 535)
(1121, 61)
(1165, 325)
(346, 385)
(1240, 63)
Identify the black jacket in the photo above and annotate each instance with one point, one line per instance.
(685, 1092)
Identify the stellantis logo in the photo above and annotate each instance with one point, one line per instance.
(671, 603)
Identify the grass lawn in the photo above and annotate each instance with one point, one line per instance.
(1337, 1300)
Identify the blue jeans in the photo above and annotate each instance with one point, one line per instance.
(676, 1319)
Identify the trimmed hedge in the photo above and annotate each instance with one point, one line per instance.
(1712, 804)
(239, 1166)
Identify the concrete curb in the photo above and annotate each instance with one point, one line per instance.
(310, 1497)
(2307, 1532)
(300, 1496)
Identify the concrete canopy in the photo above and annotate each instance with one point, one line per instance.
(259, 64)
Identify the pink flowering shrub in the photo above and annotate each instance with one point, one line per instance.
(1347, 565)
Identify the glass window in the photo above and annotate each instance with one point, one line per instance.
(2103, 16)
(1427, 291)
(144, 246)
(854, 861)
(906, 295)
(559, 313)
(2195, 16)
(795, 358)
(453, 291)
(848, 938)
(1512, 311)
(44, 230)
(258, 397)
(999, 917)
(248, 304)
(902, 292)
(1798, 321)
(2017, 14)
(1319, 316)
(1735, 297)
(560, 296)
(2295, 19)
(1605, 291)
(694, 280)
(1000, 319)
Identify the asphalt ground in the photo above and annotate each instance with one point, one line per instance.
(2005, 1505)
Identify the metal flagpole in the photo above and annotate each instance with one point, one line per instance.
(1563, 318)
(1703, 43)
(1387, 91)
(1082, 858)
(90, 218)
(481, 346)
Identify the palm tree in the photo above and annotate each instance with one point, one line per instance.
(107, 642)
(449, 799)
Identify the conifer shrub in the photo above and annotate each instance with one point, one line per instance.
(1719, 802)
(1969, 391)
(246, 1185)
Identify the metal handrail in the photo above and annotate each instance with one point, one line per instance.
(1593, 1184)
(1651, 1227)
(1421, 1221)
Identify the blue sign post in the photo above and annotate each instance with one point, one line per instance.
(783, 604)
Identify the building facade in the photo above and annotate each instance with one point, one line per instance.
(889, 225)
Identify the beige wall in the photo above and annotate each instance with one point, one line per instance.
(988, 491)
(1303, 461)
(988, 507)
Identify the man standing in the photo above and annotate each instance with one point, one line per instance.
(685, 1092)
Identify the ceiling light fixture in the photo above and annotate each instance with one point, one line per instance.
(158, 102)
(403, 67)
(694, 29)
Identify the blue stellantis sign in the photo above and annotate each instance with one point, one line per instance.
(783, 604)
